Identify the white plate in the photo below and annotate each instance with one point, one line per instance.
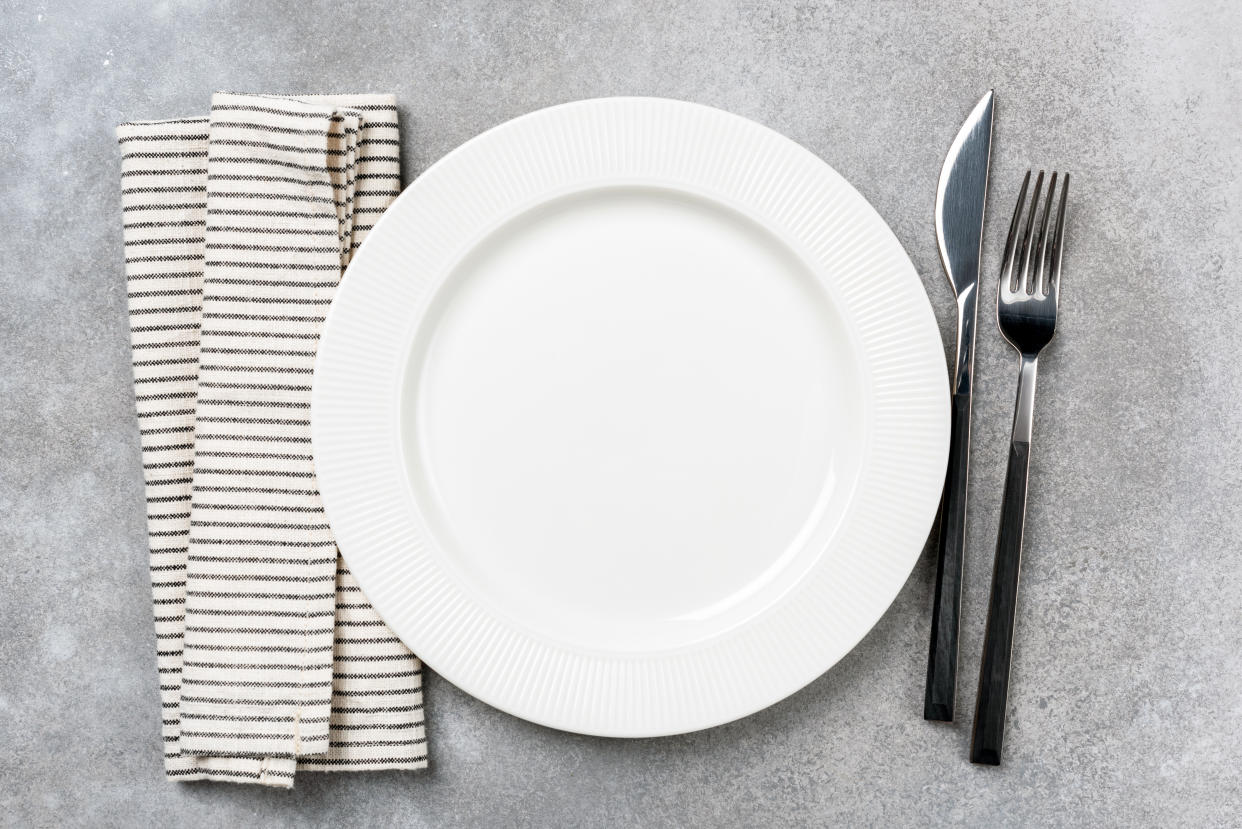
(631, 417)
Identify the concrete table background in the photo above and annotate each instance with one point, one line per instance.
(1127, 703)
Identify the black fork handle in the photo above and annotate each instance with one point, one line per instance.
(989, 730)
(938, 699)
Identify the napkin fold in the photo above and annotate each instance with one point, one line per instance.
(237, 230)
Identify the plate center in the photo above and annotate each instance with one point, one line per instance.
(633, 417)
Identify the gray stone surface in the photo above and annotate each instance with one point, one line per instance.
(1127, 704)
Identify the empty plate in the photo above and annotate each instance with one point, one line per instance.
(630, 417)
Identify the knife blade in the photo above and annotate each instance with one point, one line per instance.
(961, 195)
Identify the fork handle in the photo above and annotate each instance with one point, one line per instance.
(939, 693)
(988, 733)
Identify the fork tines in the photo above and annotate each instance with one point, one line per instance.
(1045, 278)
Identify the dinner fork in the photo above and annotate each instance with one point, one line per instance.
(1026, 311)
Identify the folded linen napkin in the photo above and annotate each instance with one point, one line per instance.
(237, 229)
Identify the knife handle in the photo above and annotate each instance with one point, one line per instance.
(941, 687)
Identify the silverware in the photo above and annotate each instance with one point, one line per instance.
(1026, 310)
(960, 197)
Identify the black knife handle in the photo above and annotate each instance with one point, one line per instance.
(989, 730)
(942, 653)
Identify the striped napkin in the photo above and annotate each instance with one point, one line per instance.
(237, 230)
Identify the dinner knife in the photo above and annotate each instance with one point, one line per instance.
(960, 197)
